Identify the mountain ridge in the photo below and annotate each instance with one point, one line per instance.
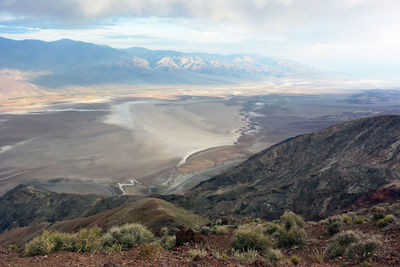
(314, 174)
(80, 63)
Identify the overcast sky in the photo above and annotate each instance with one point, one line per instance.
(353, 36)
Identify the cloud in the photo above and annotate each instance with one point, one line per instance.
(276, 15)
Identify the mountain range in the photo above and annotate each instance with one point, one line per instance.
(68, 62)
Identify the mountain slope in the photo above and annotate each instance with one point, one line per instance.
(151, 212)
(25, 205)
(314, 175)
(67, 62)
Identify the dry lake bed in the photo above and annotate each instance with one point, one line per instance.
(138, 146)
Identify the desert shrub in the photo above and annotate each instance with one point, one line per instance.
(358, 220)
(149, 251)
(85, 241)
(114, 247)
(341, 241)
(363, 250)
(385, 220)
(274, 256)
(205, 230)
(295, 236)
(319, 255)
(270, 228)
(167, 242)
(294, 260)
(246, 257)
(220, 229)
(289, 219)
(164, 231)
(47, 243)
(333, 224)
(378, 213)
(218, 222)
(346, 219)
(12, 247)
(128, 236)
(250, 240)
(220, 254)
(353, 245)
(197, 252)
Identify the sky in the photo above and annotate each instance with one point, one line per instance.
(360, 37)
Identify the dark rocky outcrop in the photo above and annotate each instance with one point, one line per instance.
(314, 174)
(186, 236)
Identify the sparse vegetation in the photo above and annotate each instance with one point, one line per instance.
(205, 230)
(270, 228)
(333, 224)
(378, 213)
(246, 257)
(250, 240)
(294, 260)
(128, 236)
(167, 242)
(197, 252)
(358, 220)
(274, 256)
(149, 251)
(289, 220)
(220, 229)
(290, 232)
(385, 220)
(354, 245)
(47, 243)
(12, 246)
(319, 255)
(295, 236)
(85, 241)
(346, 219)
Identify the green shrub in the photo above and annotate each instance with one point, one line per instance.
(85, 241)
(341, 241)
(220, 254)
(353, 245)
(289, 219)
(358, 220)
(47, 243)
(378, 213)
(128, 236)
(197, 252)
(12, 247)
(333, 224)
(167, 242)
(250, 240)
(363, 250)
(270, 228)
(294, 260)
(274, 256)
(164, 231)
(385, 220)
(205, 230)
(346, 219)
(246, 257)
(220, 229)
(287, 239)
